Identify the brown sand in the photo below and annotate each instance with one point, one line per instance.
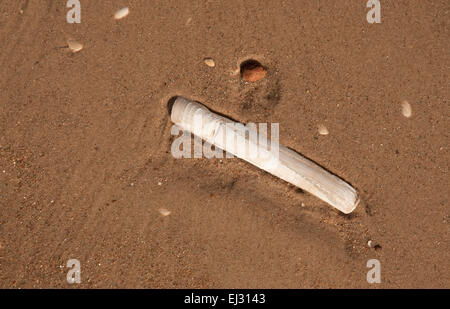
(85, 140)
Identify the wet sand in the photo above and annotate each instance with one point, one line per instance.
(86, 166)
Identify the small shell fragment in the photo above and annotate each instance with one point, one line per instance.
(406, 109)
(164, 212)
(323, 130)
(122, 13)
(74, 46)
(210, 62)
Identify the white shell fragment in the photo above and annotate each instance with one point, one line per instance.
(210, 62)
(281, 162)
(406, 109)
(74, 46)
(323, 130)
(122, 13)
(164, 212)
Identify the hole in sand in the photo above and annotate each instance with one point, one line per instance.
(170, 104)
(252, 70)
(250, 64)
